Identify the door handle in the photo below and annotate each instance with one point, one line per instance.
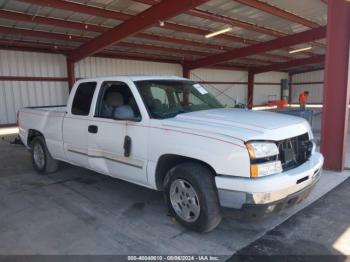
(93, 129)
(127, 146)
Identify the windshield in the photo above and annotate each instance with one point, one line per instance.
(168, 98)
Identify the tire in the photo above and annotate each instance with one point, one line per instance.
(42, 161)
(191, 196)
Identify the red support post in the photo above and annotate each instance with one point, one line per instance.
(336, 89)
(70, 73)
(290, 91)
(186, 72)
(250, 98)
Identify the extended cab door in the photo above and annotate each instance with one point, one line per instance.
(76, 124)
(118, 147)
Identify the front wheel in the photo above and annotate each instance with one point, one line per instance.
(42, 161)
(191, 196)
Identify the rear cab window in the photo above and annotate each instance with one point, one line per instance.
(83, 97)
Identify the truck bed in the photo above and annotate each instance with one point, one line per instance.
(56, 108)
(47, 120)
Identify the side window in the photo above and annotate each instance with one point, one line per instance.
(83, 98)
(112, 95)
(160, 94)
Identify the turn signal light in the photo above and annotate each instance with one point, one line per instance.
(254, 171)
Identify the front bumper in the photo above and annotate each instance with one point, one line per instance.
(258, 196)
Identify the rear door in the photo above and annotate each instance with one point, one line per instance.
(109, 146)
(76, 124)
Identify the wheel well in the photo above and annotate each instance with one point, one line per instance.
(32, 133)
(166, 162)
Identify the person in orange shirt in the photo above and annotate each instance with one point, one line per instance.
(303, 99)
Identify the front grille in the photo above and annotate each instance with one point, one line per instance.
(294, 151)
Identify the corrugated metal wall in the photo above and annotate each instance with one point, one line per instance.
(96, 66)
(227, 94)
(17, 94)
(263, 92)
(315, 90)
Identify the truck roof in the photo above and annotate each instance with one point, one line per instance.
(133, 78)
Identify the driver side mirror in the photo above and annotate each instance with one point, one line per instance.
(125, 112)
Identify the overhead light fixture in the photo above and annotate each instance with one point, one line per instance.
(300, 50)
(219, 32)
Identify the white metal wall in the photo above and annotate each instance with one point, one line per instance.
(315, 90)
(17, 94)
(227, 94)
(262, 92)
(96, 66)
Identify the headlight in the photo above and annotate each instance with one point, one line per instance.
(262, 149)
(263, 159)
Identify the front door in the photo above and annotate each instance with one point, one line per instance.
(112, 148)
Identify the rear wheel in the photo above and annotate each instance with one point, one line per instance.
(42, 161)
(191, 196)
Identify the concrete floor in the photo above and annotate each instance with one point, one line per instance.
(76, 211)
(323, 228)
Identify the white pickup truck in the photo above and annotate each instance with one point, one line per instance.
(170, 134)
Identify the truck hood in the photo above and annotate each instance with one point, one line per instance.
(241, 124)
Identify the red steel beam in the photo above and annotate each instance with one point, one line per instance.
(228, 20)
(42, 34)
(163, 49)
(33, 78)
(49, 35)
(6, 14)
(308, 83)
(89, 27)
(139, 56)
(282, 42)
(179, 51)
(334, 128)
(228, 67)
(39, 47)
(307, 70)
(80, 8)
(64, 37)
(32, 46)
(70, 6)
(222, 19)
(273, 10)
(162, 11)
(293, 63)
(65, 5)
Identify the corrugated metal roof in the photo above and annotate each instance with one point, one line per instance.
(313, 10)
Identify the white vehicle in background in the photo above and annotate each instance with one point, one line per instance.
(170, 134)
